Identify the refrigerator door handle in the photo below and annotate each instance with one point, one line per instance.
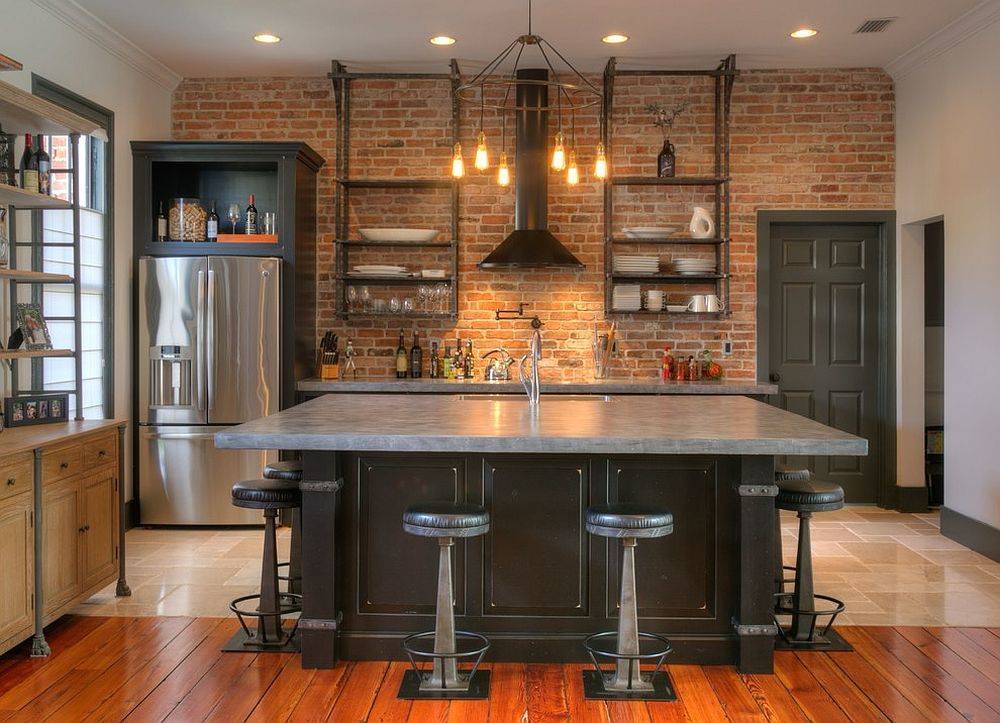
(181, 435)
(210, 346)
(200, 341)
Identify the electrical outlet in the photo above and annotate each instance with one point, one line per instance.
(727, 347)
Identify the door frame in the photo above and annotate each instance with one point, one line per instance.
(885, 402)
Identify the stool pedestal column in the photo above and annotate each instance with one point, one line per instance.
(627, 672)
(445, 671)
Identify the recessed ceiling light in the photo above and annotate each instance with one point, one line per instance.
(267, 38)
(615, 38)
(803, 33)
(442, 40)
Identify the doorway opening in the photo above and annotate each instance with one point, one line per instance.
(934, 379)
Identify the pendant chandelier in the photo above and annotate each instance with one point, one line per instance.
(573, 92)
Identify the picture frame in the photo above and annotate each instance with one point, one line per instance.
(32, 325)
(32, 409)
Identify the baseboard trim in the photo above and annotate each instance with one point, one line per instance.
(975, 535)
(911, 499)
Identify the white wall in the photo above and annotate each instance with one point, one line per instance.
(948, 164)
(76, 58)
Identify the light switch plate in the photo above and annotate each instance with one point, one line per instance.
(727, 347)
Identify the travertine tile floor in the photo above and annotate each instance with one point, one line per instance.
(890, 569)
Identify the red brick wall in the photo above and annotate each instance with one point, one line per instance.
(800, 139)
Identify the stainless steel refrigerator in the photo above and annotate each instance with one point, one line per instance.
(209, 340)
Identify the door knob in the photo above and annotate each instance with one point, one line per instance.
(775, 377)
(10, 482)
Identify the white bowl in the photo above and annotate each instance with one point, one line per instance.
(399, 235)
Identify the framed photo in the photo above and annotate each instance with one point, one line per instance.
(32, 325)
(35, 409)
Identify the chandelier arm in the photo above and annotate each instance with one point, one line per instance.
(493, 63)
(555, 76)
(568, 64)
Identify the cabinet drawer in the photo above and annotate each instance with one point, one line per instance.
(61, 463)
(100, 450)
(16, 474)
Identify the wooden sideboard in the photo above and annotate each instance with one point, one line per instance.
(61, 523)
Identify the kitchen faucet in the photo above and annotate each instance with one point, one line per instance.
(530, 381)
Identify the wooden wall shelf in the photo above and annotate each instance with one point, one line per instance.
(34, 353)
(24, 112)
(26, 276)
(21, 198)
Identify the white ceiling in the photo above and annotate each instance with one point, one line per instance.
(214, 37)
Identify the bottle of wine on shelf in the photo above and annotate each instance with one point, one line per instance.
(6, 158)
(44, 164)
(432, 366)
(458, 363)
(251, 225)
(470, 361)
(446, 372)
(29, 167)
(161, 225)
(402, 361)
(212, 225)
(416, 357)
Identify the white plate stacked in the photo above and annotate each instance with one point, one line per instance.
(626, 297)
(380, 270)
(694, 267)
(628, 265)
(648, 231)
(399, 235)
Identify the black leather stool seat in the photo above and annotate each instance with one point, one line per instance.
(782, 474)
(629, 520)
(809, 495)
(446, 519)
(288, 469)
(267, 494)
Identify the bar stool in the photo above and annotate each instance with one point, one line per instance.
(270, 636)
(799, 492)
(628, 522)
(445, 681)
(290, 470)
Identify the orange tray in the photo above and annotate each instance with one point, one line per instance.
(248, 238)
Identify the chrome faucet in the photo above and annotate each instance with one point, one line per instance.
(530, 381)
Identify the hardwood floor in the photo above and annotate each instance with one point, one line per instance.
(170, 668)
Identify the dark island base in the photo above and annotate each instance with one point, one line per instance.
(538, 583)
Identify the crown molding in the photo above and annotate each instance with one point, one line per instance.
(98, 31)
(963, 27)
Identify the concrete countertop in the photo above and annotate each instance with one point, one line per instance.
(602, 386)
(562, 425)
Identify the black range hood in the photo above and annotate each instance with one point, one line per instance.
(531, 245)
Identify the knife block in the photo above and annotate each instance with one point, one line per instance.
(328, 372)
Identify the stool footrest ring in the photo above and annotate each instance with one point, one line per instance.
(413, 652)
(295, 606)
(785, 608)
(659, 653)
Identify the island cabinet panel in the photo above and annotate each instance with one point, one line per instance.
(16, 568)
(396, 573)
(537, 552)
(62, 527)
(681, 575)
(100, 529)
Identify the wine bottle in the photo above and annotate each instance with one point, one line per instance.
(29, 167)
(432, 366)
(666, 162)
(44, 164)
(416, 357)
(401, 358)
(458, 364)
(470, 360)
(446, 363)
(212, 225)
(161, 225)
(6, 158)
(251, 225)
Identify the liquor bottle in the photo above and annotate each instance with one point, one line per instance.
(416, 357)
(251, 226)
(161, 225)
(44, 164)
(29, 167)
(470, 360)
(446, 371)
(402, 361)
(666, 162)
(432, 367)
(665, 368)
(212, 225)
(458, 363)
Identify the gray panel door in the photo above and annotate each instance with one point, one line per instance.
(823, 338)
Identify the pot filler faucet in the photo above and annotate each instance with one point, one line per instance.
(528, 380)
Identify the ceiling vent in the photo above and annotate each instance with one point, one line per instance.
(875, 25)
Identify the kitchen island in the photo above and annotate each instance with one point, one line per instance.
(537, 583)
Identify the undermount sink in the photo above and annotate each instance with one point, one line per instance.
(545, 398)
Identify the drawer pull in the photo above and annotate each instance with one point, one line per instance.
(102, 453)
(64, 465)
(82, 530)
(11, 481)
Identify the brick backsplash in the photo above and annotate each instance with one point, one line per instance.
(818, 138)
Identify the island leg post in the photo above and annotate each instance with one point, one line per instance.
(754, 622)
(320, 617)
(121, 589)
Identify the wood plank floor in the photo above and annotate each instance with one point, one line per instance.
(170, 668)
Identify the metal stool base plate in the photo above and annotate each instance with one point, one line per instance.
(479, 688)
(593, 688)
(830, 643)
(241, 643)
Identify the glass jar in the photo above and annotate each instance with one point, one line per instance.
(187, 220)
